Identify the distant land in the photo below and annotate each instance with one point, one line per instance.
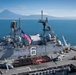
(6, 14)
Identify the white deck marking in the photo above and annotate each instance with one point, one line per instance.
(24, 68)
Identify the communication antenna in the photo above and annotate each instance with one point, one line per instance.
(64, 41)
(41, 14)
(19, 24)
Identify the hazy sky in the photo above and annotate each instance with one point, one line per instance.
(58, 8)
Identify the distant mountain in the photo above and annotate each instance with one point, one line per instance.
(39, 17)
(6, 14)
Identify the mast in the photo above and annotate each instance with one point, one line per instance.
(19, 24)
(14, 29)
(15, 32)
(19, 28)
(45, 28)
(44, 23)
(41, 14)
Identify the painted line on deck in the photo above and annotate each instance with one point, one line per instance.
(24, 68)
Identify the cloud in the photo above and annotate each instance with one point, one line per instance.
(62, 13)
(25, 10)
(39, 12)
(20, 9)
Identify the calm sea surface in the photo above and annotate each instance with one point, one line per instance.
(60, 27)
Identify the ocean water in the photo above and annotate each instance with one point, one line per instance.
(66, 28)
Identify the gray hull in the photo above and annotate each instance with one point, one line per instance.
(25, 51)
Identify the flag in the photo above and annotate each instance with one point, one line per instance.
(26, 37)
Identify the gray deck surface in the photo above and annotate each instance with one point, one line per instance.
(66, 60)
